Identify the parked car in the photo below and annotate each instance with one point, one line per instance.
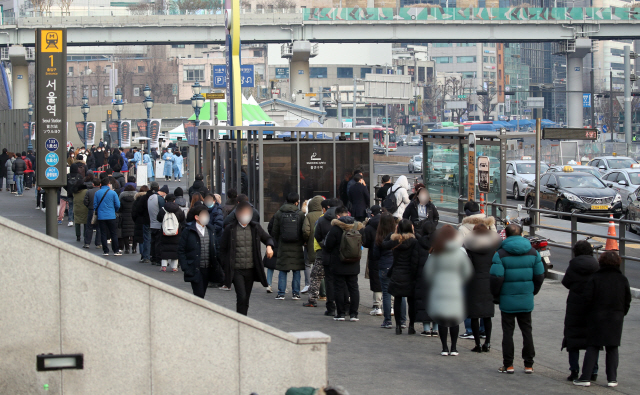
(415, 140)
(520, 173)
(402, 140)
(633, 210)
(415, 165)
(625, 181)
(608, 163)
(581, 168)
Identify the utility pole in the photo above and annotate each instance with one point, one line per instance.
(355, 90)
(627, 95)
(321, 105)
(593, 122)
(613, 126)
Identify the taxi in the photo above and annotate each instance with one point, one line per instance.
(624, 181)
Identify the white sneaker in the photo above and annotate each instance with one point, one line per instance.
(70, 223)
(225, 288)
(305, 289)
(392, 312)
(376, 311)
(44, 210)
(37, 208)
(269, 290)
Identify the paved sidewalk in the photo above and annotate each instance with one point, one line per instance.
(368, 360)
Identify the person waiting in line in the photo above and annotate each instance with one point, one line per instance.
(372, 271)
(231, 203)
(139, 234)
(127, 224)
(314, 211)
(232, 215)
(383, 256)
(359, 198)
(88, 203)
(242, 257)
(576, 319)
(481, 245)
(196, 198)
(105, 204)
(421, 209)
(473, 217)
(447, 270)
(80, 213)
(3, 169)
(180, 200)
(384, 188)
(169, 253)
(425, 237)
(287, 230)
(400, 195)
(198, 187)
(155, 203)
(197, 253)
(608, 296)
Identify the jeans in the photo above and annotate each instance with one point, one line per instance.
(467, 326)
(145, 247)
(591, 360)
(20, 183)
(528, 350)
(270, 276)
(386, 297)
(109, 228)
(342, 284)
(401, 318)
(295, 282)
(574, 362)
(243, 284)
(70, 202)
(427, 326)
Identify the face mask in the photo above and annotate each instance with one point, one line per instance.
(423, 198)
(245, 219)
(72, 156)
(203, 220)
(209, 205)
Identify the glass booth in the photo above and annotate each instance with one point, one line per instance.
(309, 161)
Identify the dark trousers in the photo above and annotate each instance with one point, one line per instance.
(591, 361)
(88, 230)
(109, 229)
(397, 307)
(330, 288)
(40, 200)
(508, 325)
(443, 331)
(475, 328)
(200, 287)
(574, 361)
(342, 285)
(243, 284)
(156, 237)
(126, 242)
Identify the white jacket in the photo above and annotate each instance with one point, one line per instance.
(400, 189)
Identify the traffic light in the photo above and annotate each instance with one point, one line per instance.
(635, 93)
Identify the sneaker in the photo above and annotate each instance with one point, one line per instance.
(466, 336)
(163, 269)
(59, 222)
(454, 352)
(44, 210)
(612, 384)
(403, 325)
(386, 325)
(269, 290)
(354, 318)
(310, 304)
(338, 318)
(508, 369)
(323, 298)
(295, 296)
(434, 334)
(146, 261)
(118, 253)
(280, 297)
(528, 370)
(425, 333)
(105, 254)
(85, 246)
(376, 311)
(392, 312)
(37, 208)
(329, 313)
(174, 270)
(445, 352)
(225, 288)
(483, 335)
(99, 247)
(70, 223)
(582, 383)
(305, 289)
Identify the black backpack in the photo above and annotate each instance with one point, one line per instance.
(72, 180)
(290, 227)
(390, 203)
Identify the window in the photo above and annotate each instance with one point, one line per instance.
(468, 74)
(140, 69)
(364, 71)
(617, 52)
(136, 91)
(492, 59)
(200, 46)
(177, 46)
(545, 179)
(105, 90)
(379, 70)
(345, 72)
(85, 90)
(492, 75)
(94, 90)
(74, 91)
(317, 72)
(443, 59)
(257, 54)
(466, 59)
(621, 177)
(68, 92)
(499, 58)
(617, 66)
(466, 44)
(71, 70)
(193, 73)
(442, 45)
(552, 180)
(485, 74)
(485, 59)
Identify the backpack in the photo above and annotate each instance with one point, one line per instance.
(351, 245)
(390, 202)
(170, 224)
(72, 180)
(291, 228)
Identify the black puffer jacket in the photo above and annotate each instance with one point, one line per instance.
(170, 243)
(127, 224)
(424, 245)
(290, 254)
(197, 187)
(576, 318)
(404, 271)
(368, 241)
(323, 227)
(481, 249)
(19, 166)
(411, 213)
(120, 179)
(138, 233)
(383, 255)
(189, 253)
(332, 245)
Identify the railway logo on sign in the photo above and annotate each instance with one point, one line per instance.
(51, 173)
(51, 159)
(52, 144)
(51, 41)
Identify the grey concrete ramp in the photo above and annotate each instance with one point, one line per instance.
(137, 335)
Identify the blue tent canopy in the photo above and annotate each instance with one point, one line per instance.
(308, 123)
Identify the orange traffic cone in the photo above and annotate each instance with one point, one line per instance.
(612, 244)
(441, 194)
(482, 203)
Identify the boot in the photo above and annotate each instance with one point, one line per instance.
(412, 330)
(133, 250)
(398, 330)
(573, 376)
(126, 250)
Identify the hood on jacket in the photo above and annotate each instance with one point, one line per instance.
(180, 201)
(482, 243)
(128, 196)
(171, 207)
(401, 182)
(584, 264)
(402, 237)
(346, 223)
(330, 215)
(139, 194)
(374, 221)
(289, 208)
(473, 220)
(80, 186)
(516, 245)
(315, 204)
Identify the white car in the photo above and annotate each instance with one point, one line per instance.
(608, 163)
(625, 181)
(415, 140)
(519, 174)
(415, 165)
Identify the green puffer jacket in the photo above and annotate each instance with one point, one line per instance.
(290, 255)
(80, 211)
(308, 226)
(517, 274)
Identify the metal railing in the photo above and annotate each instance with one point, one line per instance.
(573, 231)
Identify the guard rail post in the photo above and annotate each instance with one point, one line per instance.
(460, 209)
(532, 221)
(574, 235)
(621, 243)
(494, 211)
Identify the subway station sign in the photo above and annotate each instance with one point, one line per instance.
(51, 107)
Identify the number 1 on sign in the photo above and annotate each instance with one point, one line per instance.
(51, 59)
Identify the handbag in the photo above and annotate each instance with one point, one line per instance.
(94, 218)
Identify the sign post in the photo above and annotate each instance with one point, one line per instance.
(471, 167)
(51, 117)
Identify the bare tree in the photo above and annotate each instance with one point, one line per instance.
(43, 6)
(278, 4)
(147, 8)
(453, 88)
(189, 6)
(486, 103)
(126, 65)
(432, 98)
(164, 72)
(64, 6)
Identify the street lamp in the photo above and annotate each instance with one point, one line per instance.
(118, 105)
(30, 113)
(84, 109)
(148, 105)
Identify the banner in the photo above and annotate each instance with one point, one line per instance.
(33, 131)
(91, 134)
(154, 132)
(80, 130)
(191, 132)
(112, 129)
(26, 131)
(125, 130)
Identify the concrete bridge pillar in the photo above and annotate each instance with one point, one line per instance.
(575, 87)
(299, 53)
(19, 76)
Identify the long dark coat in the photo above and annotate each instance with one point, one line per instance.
(138, 232)
(359, 199)
(270, 263)
(405, 264)
(290, 255)
(576, 319)
(332, 246)
(421, 291)
(609, 297)
(189, 253)
(481, 249)
(127, 224)
(228, 251)
(368, 241)
(169, 248)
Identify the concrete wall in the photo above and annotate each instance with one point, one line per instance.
(11, 130)
(138, 335)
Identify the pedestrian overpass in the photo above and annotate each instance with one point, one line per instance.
(342, 25)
